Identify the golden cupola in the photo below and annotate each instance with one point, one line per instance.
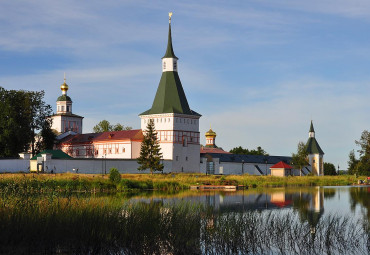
(64, 86)
(210, 132)
(211, 138)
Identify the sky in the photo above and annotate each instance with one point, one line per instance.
(258, 71)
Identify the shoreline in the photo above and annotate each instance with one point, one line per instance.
(165, 182)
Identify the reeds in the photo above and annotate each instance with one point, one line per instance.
(109, 225)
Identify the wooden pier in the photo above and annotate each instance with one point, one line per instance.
(218, 187)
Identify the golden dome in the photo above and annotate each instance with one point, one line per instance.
(211, 132)
(64, 86)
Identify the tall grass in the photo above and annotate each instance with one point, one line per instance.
(102, 225)
(45, 183)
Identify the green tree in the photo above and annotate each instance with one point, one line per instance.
(46, 137)
(150, 152)
(299, 159)
(241, 150)
(102, 126)
(105, 126)
(22, 114)
(329, 169)
(363, 166)
(352, 162)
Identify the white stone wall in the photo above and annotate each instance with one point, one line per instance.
(14, 165)
(97, 166)
(235, 168)
(186, 158)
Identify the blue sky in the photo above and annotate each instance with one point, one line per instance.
(258, 71)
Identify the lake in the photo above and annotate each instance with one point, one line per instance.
(317, 220)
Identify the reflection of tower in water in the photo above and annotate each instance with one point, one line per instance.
(315, 208)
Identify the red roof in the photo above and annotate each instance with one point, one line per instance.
(282, 164)
(135, 134)
(212, 150)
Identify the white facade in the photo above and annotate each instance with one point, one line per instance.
(317, 163)
(65, 123)
(178, 136)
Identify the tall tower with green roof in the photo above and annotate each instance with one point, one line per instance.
(64, 120)
(177, 125)
(315, 153)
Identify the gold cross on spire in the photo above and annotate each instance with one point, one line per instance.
(64, 77)
(170, 15)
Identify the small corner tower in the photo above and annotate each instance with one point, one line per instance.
(315, 153)
(211, 138)
(64, 120)
(176, 124)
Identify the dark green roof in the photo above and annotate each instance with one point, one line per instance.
(170, 97)
(55, 154)
(64, 98)
(311, 128)
(169, 52)
(313, 147)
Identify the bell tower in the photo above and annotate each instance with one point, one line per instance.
(64, 120)
(315, 153)
(176, 124)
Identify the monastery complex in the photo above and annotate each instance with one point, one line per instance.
(177, 126)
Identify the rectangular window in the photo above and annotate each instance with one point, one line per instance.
(177, 158)
(67, 108)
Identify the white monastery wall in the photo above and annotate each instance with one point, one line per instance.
(236, 168)
(186, 158)
(14, 165)
(96, 166)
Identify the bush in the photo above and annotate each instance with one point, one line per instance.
(114, 175)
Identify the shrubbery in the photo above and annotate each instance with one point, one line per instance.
(114, 176)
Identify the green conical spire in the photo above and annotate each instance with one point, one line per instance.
(170, 96)
(169, 52)
(312, 146)
(311, 127)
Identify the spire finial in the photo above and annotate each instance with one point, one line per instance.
(170, 15)
(64, 77)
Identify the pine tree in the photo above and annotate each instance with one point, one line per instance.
(150, 152)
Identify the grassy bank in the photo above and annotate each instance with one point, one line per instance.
(44, 183)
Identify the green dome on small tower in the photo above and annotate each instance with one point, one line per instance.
(64, 98)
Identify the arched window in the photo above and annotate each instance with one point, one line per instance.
(164, 65)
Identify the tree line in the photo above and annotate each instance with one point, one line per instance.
(24, 124)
